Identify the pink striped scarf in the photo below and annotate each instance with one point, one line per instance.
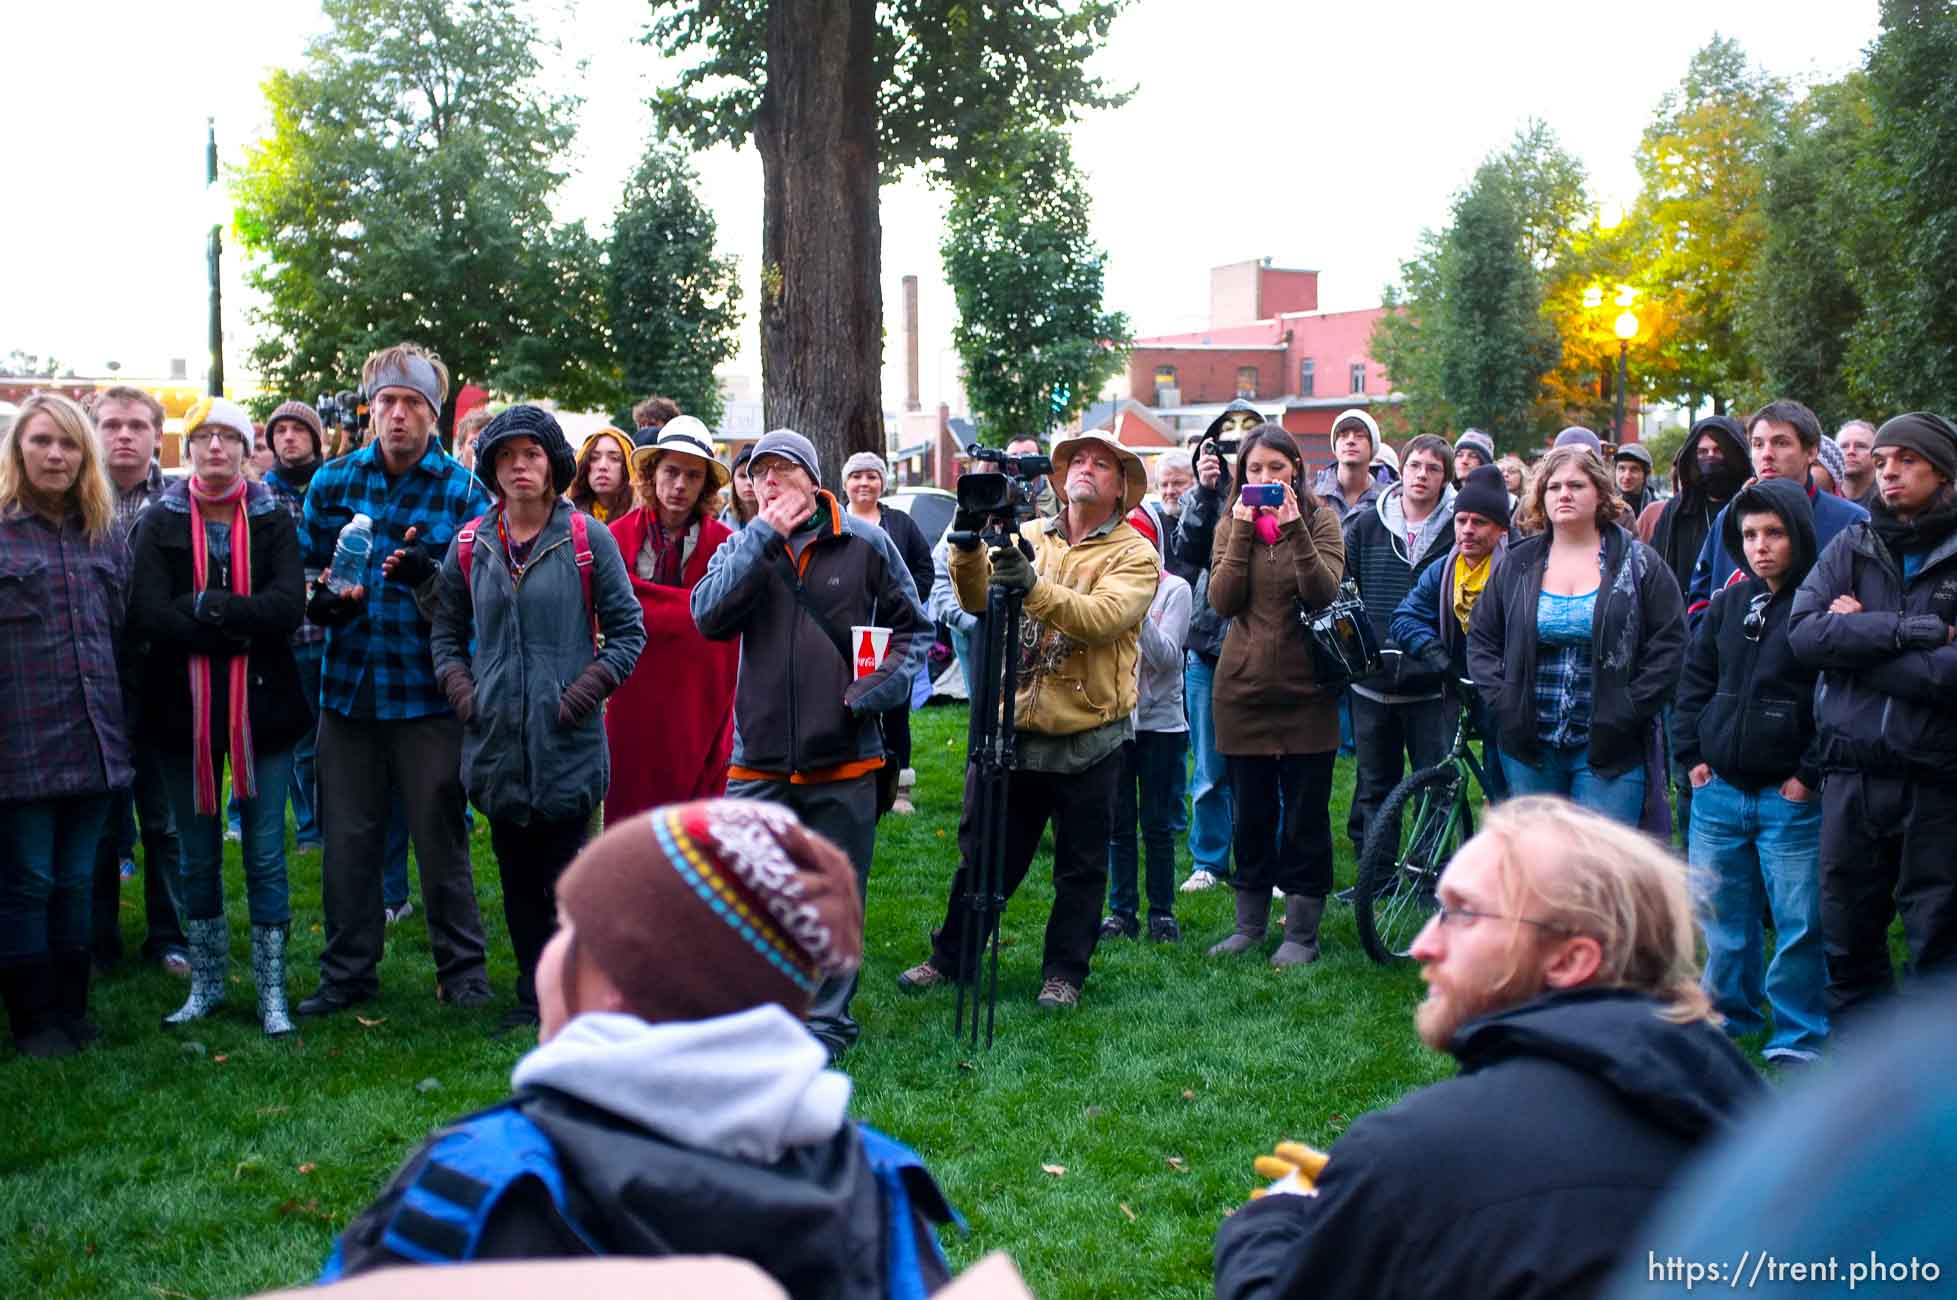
(205, 766)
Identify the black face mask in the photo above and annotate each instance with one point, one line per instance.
(1719, 479)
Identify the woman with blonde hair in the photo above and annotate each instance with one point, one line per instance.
(1577, 643)
(64, 746)
(603, 485)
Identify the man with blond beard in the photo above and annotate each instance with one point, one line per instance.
(1560, 973)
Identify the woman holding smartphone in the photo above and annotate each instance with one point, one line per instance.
(1278, 549)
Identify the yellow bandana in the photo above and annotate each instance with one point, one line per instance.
(1470, 577)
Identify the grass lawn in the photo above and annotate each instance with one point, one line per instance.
(210, 1161)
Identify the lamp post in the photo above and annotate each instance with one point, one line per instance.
(1626, 326)
(215, 248)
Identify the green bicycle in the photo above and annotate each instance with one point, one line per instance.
(1414, 835)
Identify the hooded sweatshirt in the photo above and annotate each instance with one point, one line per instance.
(1745, 703)
(1195, 529)
(1528, 1175)
(1326, 486)
(1716, 566)
(726, 1136)
(1386, 556)
(1677, 528)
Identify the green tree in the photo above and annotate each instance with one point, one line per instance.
(404, 194)
(1020, 260)
(1494, 345)
(1903, 351)
(1699, 225)
(838, 95)
(1801, 304)
(674, 305)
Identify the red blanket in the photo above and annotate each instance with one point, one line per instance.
(671, 724)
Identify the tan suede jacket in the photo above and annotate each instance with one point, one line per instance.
(1079, 643)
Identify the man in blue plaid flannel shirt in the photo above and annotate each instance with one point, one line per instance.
(385, 726)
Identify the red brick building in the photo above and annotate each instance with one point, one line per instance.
(1269, 344)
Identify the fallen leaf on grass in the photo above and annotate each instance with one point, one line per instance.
(428, 1085)
(308, 1167)
(941, 833)
(308, 1208)
(249, 1165)
(220, 1058)
(375, 1023)
(165, 1293)
(1130, 1213)
(1176, 1163)
(1189, 1094)
(1056, 1170)
(272, 1110)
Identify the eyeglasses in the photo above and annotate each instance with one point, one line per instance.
(1755, 622)
(1463, 917)
(203, 436)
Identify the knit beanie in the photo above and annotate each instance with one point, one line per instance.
(306, 415)
(705, 909)
(1829, 453)
(526, 422)
(1486, 493)
(789, 445)
(223, 414)
(1480, 441)
(865, 460)
(1578, 436)
(1927, 434)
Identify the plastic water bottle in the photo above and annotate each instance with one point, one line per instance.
(350, 556)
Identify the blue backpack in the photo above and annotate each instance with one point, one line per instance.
(441, 1215)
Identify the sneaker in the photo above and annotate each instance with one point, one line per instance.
(234, 835)
(903, 807)
(175, 961)
(518, 1019)
(1120, 927)
(1058, 993)
(1163, 929)
(1198, 881)
(1277, 893)
(396, 915)
(467, 996)
(922, 976)
(127, 869)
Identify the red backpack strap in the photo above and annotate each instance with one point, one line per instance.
(581, 555)
(465, 546)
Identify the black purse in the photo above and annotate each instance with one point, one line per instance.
(1344, 646)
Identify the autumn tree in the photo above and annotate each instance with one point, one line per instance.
(674, 305)
(404, 194)
(838, 96)
(1034, 341)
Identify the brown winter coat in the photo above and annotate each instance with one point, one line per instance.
(1265, 700)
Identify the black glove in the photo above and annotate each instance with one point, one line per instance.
(966, 525)
(583, 696)
(414, 564)
(1431, 659)
(1012, 570)
(328, 608)
(1921, 632)
(460, 688)
(211, 607)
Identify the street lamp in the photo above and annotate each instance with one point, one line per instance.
(1626, 326)
(215, 196)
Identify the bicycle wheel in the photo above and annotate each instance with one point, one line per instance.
(1398, 873)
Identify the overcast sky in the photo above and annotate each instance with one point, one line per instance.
(1319, 135)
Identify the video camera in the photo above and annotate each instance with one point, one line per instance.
(992, 503)
(346, 409)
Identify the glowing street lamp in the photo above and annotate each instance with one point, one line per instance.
(1626, 327)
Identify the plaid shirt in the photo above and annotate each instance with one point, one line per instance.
(293, 499)
(131, 504)
(389, 643)
(1564, 669)
(62, 600)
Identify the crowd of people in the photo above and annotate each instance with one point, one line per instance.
(394, 640)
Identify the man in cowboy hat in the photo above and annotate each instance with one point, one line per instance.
(1086, 590)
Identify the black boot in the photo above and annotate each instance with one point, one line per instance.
(29, 993)
(72, 971)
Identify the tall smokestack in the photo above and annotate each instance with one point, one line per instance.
(911, 402)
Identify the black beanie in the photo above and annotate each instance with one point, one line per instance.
(1927, 434)
(527, 422)
(1486, 493)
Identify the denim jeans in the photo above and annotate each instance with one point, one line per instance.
(394, 864)
(1210, 822)
(1151, 769)
(1746, 845)
(1567, 772)
(261, 830)
(305, 755)
(47, 865)
(147, 803)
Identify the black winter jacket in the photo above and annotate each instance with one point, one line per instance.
(903, 530)
(160, 614)
(1638, 644)
(1378, 562)
(1527, 1175)
(1746, 703)
(813, 1220)
(1887, 701)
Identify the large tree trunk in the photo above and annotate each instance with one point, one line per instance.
(821, 241)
